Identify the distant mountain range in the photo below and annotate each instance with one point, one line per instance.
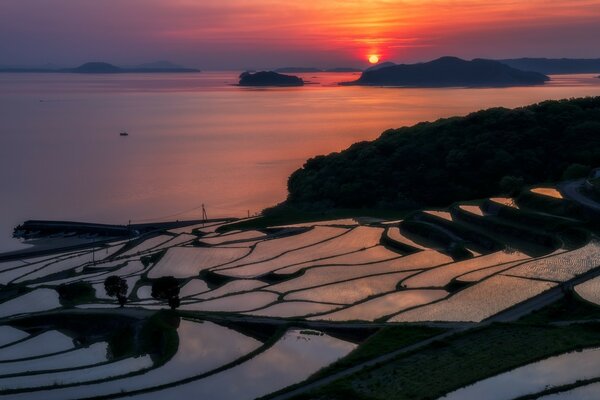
(556, 65)
(449, 72)
(99, 67)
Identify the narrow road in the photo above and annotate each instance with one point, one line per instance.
(572, 191)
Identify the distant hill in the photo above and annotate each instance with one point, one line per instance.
(449, 72)
(96, 68)
(269, 78)
(555, 65)
(452, 159)
(380, 66)
(297, 70)
(99, 67)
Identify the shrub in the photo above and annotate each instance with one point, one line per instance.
(166, 288)
(115, 286)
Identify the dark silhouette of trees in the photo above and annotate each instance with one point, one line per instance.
(75, 293)
(576, 171)
(437, 163)
(167, 288)
(115, 286)
(511, 185)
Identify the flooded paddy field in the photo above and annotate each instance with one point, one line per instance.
(154, 334)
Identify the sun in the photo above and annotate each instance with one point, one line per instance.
(373, 59)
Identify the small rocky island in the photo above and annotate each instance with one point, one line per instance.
(269, 78)
(450, 72)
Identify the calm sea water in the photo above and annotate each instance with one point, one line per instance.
(195, 138)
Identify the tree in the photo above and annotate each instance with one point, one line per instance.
(70, 294)
(576, 171)
(115, 286)
(511, 185)
(167, 288)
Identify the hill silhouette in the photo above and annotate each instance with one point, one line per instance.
(380, 66)
(448, 72)
(453, 159)
(100, 67)
(556, 65)
(96, 67)
(269, 78)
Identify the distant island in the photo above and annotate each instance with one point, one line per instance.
(380, 66)
(297, 70)
(454, 159)
(99, 67)
(556, 65)
(269, 78)
(449, 72)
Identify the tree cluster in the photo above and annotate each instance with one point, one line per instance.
(438, 163)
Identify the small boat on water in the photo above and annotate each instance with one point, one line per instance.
(124, 133)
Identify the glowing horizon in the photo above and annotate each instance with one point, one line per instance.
(269, 33)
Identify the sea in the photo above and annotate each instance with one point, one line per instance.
(197, 139)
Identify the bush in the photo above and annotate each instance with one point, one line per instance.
(511, 185)
(116, 286)
(75, 293)
(166, 288)
(576, 171)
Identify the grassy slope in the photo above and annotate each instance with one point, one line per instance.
(460, 360)
(384, 341)
(467, 357)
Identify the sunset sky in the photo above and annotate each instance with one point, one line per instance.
(238, 34)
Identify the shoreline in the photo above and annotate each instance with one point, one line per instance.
(42, 247)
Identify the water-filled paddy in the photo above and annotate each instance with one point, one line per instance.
(534, 378)
(319, 273)
(478, 302)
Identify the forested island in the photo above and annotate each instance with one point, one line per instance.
(452, 159)
(269, 78)
(449, 72)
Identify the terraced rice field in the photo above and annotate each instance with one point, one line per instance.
(547, 191)
(441, 276)
(472, 209)
(590, 290)
(477, 302)
(440, 214)
(505, 201)
(387, 304)
(339, 270)
(561, 267)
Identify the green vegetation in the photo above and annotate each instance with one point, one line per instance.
(384, 341)
(152, 258)
(568, 308)
(460, 158)
(75, 293)
(167, 288)
(464, 358)
(115, 286)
